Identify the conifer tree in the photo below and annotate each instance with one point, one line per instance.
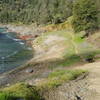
(85, 15)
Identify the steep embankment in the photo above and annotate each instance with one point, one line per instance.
(58, 47)
(93, 78)
(64, 43)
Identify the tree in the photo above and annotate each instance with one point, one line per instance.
(85, 15)
(35, 11)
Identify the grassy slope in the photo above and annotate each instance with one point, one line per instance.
(76, 49)
(20, 90)
(27, 92)
(57, 78)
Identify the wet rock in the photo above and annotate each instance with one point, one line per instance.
(29, 70)
(90, 60)
(78, 97)
(35, 36)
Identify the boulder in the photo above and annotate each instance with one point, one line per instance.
(30, 70)
(90, 60)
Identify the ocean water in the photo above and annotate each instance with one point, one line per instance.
(13, 52)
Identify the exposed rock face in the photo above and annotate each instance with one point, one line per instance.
(75, 90)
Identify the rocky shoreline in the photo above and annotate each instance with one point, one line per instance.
(28, 34)
(24, 32)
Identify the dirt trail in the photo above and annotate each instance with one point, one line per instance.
(94, 77)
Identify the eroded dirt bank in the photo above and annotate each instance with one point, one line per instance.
(93, 78)
(74, 90)
(85, 87)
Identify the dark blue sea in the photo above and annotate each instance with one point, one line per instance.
(13, 51)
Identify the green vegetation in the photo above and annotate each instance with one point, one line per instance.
(58, 77)
(35, 11)
(48, 11)
(27, 92)
(85, 15)
(21, 90)
(73, 48)
(7, 96)
(98, 6)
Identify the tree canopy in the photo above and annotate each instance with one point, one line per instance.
(85, 15)
(31, 11)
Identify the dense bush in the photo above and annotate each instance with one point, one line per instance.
(85, 15)
(20, 90)
(6, 96)
(30, 11)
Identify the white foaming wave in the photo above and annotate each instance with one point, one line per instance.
(13, 38)
(16, 39)
(22, 43)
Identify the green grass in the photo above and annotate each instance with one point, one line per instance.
(66, 62)
(59, 77)
(72, 43)
(27, 92)
(70, 60)
(6, 96)
(21, 90)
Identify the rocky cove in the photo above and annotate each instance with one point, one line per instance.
(49, 50)
(13, 50)
(44, 57)
(23, 36)
(25, 32)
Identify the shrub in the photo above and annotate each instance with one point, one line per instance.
(35, 11)
(6, 96)
(21, 90)
(85, 15)
(58, 77)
